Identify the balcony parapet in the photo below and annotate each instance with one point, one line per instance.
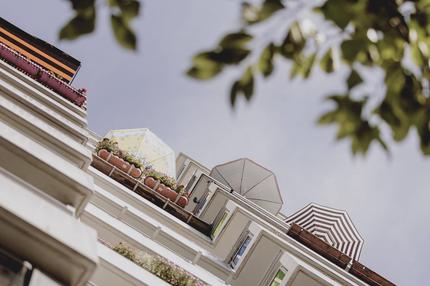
(78, 97)
(37, 228)
(45, 170)
(337, 257)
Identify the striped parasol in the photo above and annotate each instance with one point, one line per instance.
(331, 225)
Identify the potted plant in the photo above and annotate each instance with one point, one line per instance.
(182, 199)
(167, 186)
(108, 150)
(151, 177)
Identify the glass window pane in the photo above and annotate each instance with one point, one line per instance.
(218, 226)
(280, 275)
(241, 250)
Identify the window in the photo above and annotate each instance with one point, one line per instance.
(280, 275)
(241, 250)
(190, 183)
(218, 226)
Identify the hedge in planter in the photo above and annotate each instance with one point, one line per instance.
(166, 270)
(167, 186)
(108, 150)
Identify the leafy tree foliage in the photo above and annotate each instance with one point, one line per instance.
(388, 35)
(83, 22)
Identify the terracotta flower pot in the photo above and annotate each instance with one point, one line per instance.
(150, 182)
(182, 201)
(161, 188)
(115, 160)
(125, 166)
(135, 172)
(120, 163)
(103, 153)
(169, 193)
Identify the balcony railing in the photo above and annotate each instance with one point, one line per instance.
(137, 186)
(42, 76)
(337, 257)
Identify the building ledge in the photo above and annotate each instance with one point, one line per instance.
(48, 235)
(115, 269)
(145, 224)
(39, 130)
(114, 231)
(41, 102)
(44, 169)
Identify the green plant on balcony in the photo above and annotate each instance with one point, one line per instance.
(126, 251)
(111, 145)
(107, 144)
(132, 160)
(163, 178)
(180, 190)
(166, 270)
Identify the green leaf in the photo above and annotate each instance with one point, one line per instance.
(327, 63)
(293, 43)
(203, 59)
(129, 8)
(83, 23)
(204, 67)
(269, 8)
(79, 5)
(265, 63)
(253, 14)
(302, 65)
(398, 123)
(247, 83)
(234, 91)
(354, 79)
(423, 128)
(364, 136)
(328, 117)
(123, 34)
(244, 86)
(352, 48)
(230, 56)
(235, 40)
(204, 73)
(308, 64)
(337, 12)
(394, 78)
(348, 116)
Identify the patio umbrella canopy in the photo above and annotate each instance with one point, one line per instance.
(144, 144)
(331, 225)
(252, 181)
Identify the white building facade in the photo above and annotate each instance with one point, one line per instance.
(70, 216)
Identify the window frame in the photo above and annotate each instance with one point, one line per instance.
(220, 222)
(279, 281)
(246, 238)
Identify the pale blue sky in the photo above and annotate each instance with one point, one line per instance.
(386, 198)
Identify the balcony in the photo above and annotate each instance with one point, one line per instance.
(42, 76)
(137, 185)
(49, 236)
(43, 169)
(337, 257)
